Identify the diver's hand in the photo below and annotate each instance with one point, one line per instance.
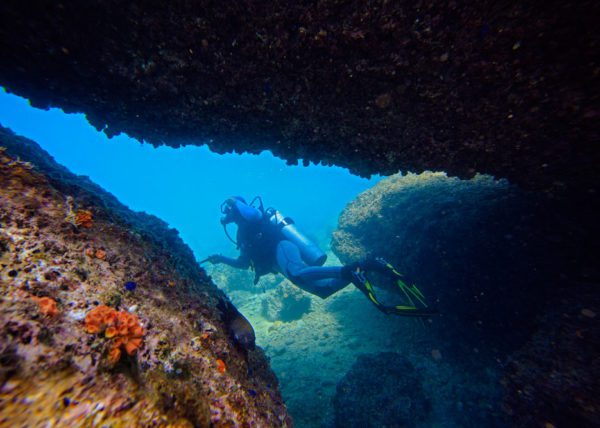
(215, 259)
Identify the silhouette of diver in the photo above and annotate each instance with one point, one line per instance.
(271, 243)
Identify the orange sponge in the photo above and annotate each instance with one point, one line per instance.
(84, 218)
(123, 328)
(221, 367)
(47, 306)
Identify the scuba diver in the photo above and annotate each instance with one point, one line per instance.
(271, 243)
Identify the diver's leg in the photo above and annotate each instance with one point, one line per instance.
(314, 273)
(322, 287)
(289, 261)
(321, 281)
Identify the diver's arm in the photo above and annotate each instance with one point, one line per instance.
(242, 262)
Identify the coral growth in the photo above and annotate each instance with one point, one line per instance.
(84, 218)
(122, 327)
(95, 253)
(221, 367)
(78, 217)
(47, 306)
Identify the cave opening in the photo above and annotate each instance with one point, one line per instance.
(492, 258)
(186, 186)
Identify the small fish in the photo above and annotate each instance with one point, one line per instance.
(252, 392)
(130, 285)
(240, 328)
(242, 332)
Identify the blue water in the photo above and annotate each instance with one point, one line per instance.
(186, 186)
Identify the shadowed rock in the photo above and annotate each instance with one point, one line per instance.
(513, 274)
(504, 88)
(555, 377)
(380, 390)
(470, 245)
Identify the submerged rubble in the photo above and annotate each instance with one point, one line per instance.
(79, 344)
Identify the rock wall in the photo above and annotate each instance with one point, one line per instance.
(555, 376)
(381, 390)
(463, 242)
(512, 274)
(496, 87)
(106, 317)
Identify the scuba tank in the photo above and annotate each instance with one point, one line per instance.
(310, 252)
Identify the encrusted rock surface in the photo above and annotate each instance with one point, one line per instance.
(187, 371)
(513, 274)
(499, 87)
(380, 390)
(555, 377)
(466, 244)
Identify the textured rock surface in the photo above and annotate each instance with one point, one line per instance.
(508, 270)
(556, 375)
(505, 88)
(464, 243)
(380, 390)
(187, 371)
(289, 304)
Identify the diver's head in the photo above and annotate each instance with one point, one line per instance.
(229, 209)
(235, 210)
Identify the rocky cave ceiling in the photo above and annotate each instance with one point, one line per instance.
(499, 87)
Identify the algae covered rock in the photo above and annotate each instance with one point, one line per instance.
(288, 303)
(477, 248)
(555, 377)
(106, 319)
(512, 273)
(380, 390)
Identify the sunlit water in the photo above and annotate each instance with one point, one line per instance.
(186, 186)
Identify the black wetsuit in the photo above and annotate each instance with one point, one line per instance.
(263, 248)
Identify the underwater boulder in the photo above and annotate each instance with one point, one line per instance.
(285, 303)
(77, 347)
(478, 249)
(554, 379)
(513, 274)
(232, 280)
(380, 390)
